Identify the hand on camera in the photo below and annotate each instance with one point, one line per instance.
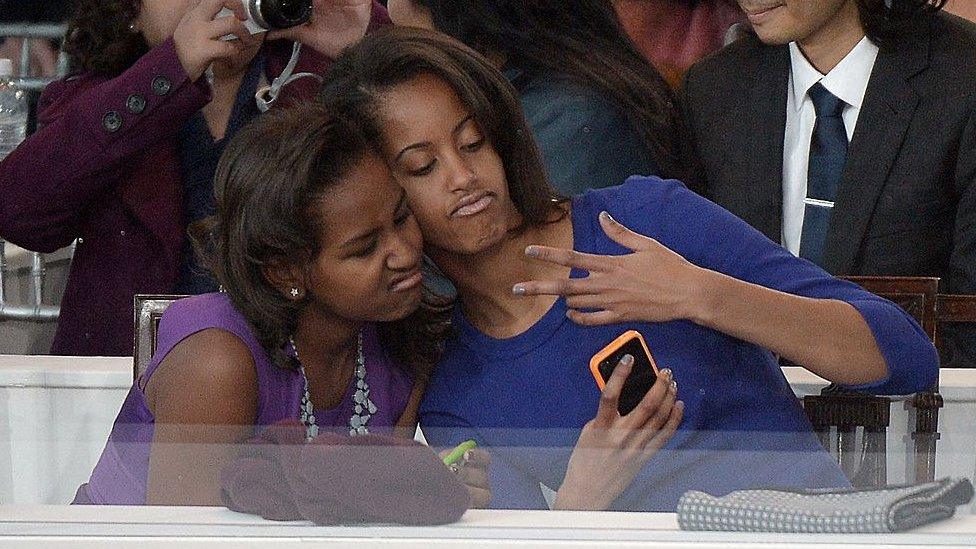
(472, 470)
(335, 25)
(652, 284)
(612, 449)
(198, 38)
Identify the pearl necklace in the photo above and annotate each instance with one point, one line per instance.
(363, 409)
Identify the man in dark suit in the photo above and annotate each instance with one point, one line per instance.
(846, 130)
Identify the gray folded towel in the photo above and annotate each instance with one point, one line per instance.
(891, 509)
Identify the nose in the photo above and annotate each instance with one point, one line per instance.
(460, 175)
(404, 252)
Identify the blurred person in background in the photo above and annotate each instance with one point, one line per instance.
(599, 111)
(128, 143)
(675, 34)
(845, 130)
(962, 8)
(44, 52)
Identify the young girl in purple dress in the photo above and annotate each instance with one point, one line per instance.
(321, 317)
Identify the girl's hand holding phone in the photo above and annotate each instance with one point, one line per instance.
(472, 470)
(612, 449)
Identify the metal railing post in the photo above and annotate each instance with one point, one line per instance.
(34, 310)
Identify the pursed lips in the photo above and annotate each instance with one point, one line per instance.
(407, 281)
(472, 204)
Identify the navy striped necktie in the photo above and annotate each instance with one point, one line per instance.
(828, 153)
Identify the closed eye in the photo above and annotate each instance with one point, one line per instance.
(368, 250)
(473, 147)
(424, 170)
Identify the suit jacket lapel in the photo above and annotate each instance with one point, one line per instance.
(889, 105)
(763, 145)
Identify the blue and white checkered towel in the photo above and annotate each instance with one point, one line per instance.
(891, 509)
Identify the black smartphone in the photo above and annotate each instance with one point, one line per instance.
(642, 375)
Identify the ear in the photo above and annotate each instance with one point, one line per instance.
(288, 278)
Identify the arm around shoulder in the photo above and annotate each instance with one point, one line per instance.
(204, 398)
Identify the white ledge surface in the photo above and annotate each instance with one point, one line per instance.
(183, 526)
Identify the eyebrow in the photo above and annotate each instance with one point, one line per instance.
(457, 129)
(371, 232)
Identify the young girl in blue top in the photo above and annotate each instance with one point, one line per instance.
(544, 283)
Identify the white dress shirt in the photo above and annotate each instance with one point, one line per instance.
(848, 81)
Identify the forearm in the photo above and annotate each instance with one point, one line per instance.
(185, 470)
(51, 179)
(828, 337)
(570, 499)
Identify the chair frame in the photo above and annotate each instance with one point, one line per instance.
(148, 311)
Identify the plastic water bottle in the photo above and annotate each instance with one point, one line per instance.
(13, 110)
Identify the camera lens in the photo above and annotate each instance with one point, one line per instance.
(283, 14)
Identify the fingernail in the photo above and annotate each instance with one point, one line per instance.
(532, 251)
(627, 360)
(467, 456)
(666, 373)
(674, 386)
(606, 215)
(518, 289)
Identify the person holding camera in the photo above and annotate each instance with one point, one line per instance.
(127, 145)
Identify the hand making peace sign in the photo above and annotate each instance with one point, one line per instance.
(652, 284)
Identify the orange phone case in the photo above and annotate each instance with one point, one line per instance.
(609, 350)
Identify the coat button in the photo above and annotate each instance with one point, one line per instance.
(136, 103)
(161, 85)
(112, 121)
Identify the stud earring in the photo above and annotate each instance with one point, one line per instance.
(294, 292)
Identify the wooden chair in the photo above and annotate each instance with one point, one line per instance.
(148, 312)
(952, 309)
(837, 414)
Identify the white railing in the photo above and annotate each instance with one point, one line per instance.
(35, 310)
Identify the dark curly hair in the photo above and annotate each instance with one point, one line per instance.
(99, 39)
(268, 181)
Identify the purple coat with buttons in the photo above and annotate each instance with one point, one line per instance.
(103, 169)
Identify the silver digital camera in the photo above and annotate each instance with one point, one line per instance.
(265, 15)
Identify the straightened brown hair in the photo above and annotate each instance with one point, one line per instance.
(99, 39)
(267, 188)
(357, 80)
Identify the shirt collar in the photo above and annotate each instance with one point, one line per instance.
(848, 81)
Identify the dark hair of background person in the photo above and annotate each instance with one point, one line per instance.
(355, 83)
(99, 39)
(267, 188)
(584, 41)
(882, 23)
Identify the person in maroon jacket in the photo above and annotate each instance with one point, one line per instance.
(127, 147)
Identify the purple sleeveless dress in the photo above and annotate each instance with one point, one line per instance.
(121, 474)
